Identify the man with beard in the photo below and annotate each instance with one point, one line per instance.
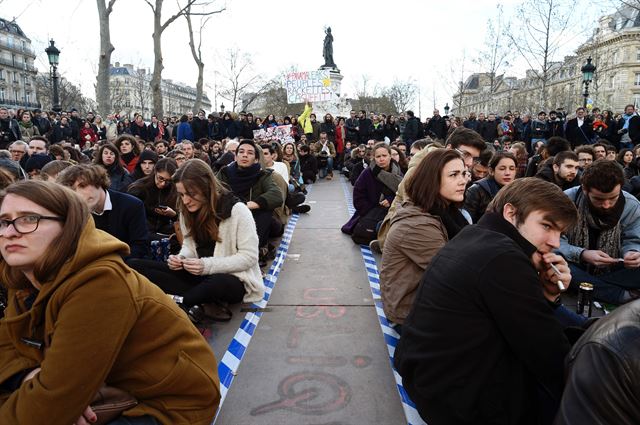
(562, 171)
(604, 247)
(483, 342)
(489, 129)
(556, 125)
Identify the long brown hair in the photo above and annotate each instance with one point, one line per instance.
(62, 202)
(198, 179)
(423, 186)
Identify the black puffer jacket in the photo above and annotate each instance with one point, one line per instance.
(602, 372)
(478, 197)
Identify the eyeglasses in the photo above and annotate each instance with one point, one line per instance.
(466, 154)
(26, 223)
(16, 151)
(162, 179)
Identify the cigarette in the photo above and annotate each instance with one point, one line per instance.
(556, 271)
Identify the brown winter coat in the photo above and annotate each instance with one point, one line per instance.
(101, 322)
(413, 240)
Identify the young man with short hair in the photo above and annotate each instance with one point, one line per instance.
(562, 171)
(604, 247)
(119, 214)
(586, 156)
(483, 342)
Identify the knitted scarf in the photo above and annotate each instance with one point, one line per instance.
(607, 226)
(241, 180)
(452, 219)
(389, 179)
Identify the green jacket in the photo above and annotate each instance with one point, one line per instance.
(264, 192)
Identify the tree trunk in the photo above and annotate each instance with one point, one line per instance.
(197, 57)
(103, 95)
(156, 78)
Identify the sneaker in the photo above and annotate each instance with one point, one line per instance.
(329, 176)
(301, 209)
(374, 246)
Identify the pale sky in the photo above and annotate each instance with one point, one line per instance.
(381, 39)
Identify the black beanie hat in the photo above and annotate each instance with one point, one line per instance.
(148, 155)
(37, 161)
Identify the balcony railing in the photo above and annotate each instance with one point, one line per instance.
(22, 66)
(18, 48)
(18, 104)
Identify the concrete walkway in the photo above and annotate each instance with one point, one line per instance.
(317, 356)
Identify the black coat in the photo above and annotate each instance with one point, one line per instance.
(478, 196)
(603, 371)
(489, 130)
(411, 130)
(579, 135)
(200, 128)
(481, 339)
(127, 222)
(141, 131)
(365, 131)
(330, 129)
(437, 127)
(308, 167)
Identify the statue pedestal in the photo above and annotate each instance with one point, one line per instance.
(338, 107)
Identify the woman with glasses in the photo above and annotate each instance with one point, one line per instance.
(503, 169)
(218, 262)
(422, 224)
(78, 319)
(158, 194)
(109, 158)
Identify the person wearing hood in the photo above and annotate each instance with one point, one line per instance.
(109, 158)
(562, 170)
(422, 224)
(78, 318)
(218, 262)
(146, 162)
(502, 171)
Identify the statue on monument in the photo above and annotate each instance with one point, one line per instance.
(327, 51)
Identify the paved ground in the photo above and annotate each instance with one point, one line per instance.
(318, 355)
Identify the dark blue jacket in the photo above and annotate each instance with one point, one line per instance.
(184, 132)
(126, 221)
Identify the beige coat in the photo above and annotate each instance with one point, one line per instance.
(413, 239)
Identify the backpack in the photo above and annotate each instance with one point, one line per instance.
(366, 229)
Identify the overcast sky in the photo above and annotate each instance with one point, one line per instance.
(381, 39)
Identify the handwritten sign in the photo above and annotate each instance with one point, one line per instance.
(314, 86)
(281, 133)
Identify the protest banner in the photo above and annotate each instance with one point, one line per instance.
(312, 86)
(281, 133)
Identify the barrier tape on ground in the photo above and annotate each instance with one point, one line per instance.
(391, 337)
(228, 366)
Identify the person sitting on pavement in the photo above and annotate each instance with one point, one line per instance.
(561, 171)
(129, 151)
(158, 194)
(227, 157)
(484, 339)
(35, 164)
(119, 214)
(144, 167)
(604, 247)
(308, 164)
(375, 188)
(294, 200)
(255, 186)
(69, 288)
(290, 156)
(325, 153)
(421, 226)
(554, 146)
(53, 168)
(109, 158)
(360, 160)
(218, 262)
(502, 171)
(602, 372)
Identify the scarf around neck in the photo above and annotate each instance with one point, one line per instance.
(241, 179)
(452, 219)
(607, 225)
(390, 179)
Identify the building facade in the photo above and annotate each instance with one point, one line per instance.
(615, 51)
(131, 92)
(17, 70)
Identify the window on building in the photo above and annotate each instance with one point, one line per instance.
(15, 77)
(2, 94)
(638, 54)
(1, 74)
(27, 97)
(636, 100)
(612, 82)
(637, 81)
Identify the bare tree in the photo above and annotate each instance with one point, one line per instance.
(401, 94)
(141, 91)
(495, 56)
(158, 28)
(544, 27)
(70, 95)
(454, 81)
(197, 56)
(240, 79)
(104, 60)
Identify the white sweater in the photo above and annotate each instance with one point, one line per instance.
(236, 253)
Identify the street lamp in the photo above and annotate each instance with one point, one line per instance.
(588, 69)
(54, 57)
(222, 107)
(446, 109)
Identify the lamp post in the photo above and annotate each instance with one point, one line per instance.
(222, 108)
(588, 69)
(54, 57)
(446, 109)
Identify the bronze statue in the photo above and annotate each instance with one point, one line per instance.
(327, 51)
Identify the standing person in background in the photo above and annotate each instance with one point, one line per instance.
(579, 130)
(199, 126)
(629, 128)
(364, 128)
(411, 129)
(139, 129)
(329, 127)
(351, 125)
(437, 127)
(184, 131)
(100, 127)
(341, 138)
(27, 128)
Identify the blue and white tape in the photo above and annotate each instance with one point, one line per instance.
(391, 337)
(228, 366)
